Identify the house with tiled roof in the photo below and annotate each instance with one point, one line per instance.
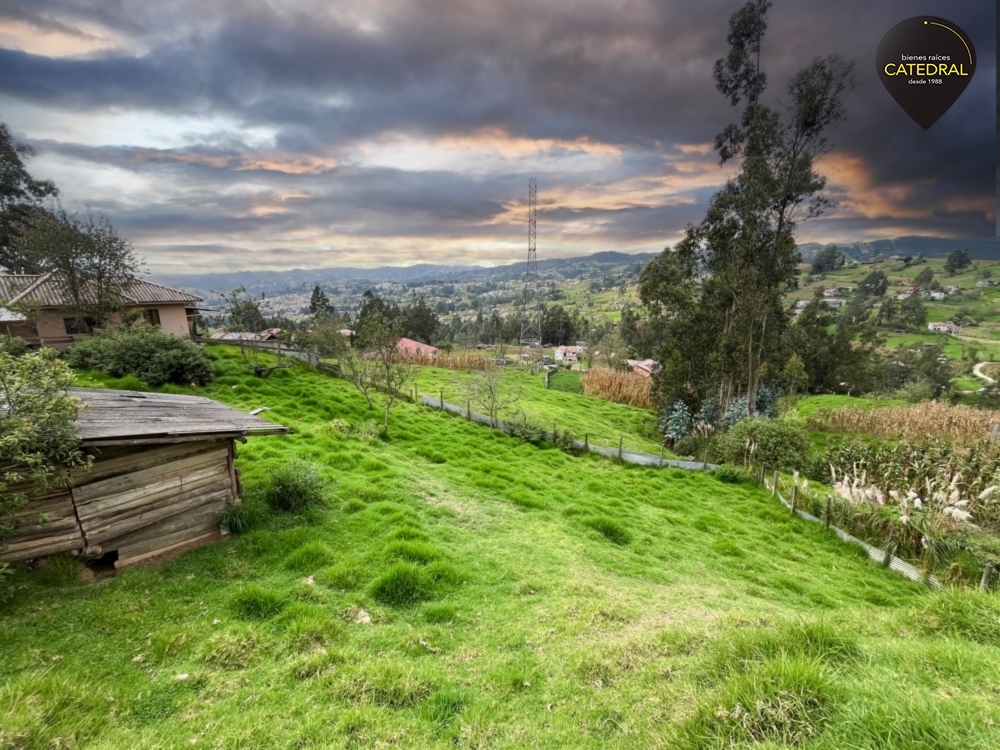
(54, 319)
(409, 346)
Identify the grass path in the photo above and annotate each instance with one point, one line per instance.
(565, 602)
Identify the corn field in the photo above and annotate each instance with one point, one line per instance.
(452, 360)
(928, 419)
(625, 387)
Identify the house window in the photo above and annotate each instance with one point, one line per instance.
(75, 326)
(152, 317)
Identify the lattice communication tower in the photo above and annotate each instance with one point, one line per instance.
(531, 301)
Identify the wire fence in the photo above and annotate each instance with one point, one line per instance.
(882, 556)
(628, 456)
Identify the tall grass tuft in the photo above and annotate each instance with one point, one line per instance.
(294, 487)
(609, 528)
(401, 585)
(255, 603)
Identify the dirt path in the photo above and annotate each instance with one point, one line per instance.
(977, 371)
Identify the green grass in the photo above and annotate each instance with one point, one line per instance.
(604, 421)
(720, 622)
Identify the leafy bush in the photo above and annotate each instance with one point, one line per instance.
(15, 346)
(518, 426)
(295, 487)
(144, 351)
(566, 441)
(399, 586)
(772, 442)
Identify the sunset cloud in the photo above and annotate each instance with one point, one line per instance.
(305, 133)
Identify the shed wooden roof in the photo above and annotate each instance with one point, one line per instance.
(127, 417)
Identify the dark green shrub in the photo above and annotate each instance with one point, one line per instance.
(772, 442)
(730, 475)
(143, 351)
(609, 528)
(15, 346)
(566, 441)
(256, 603)
(295, 487)
(518, 426)
(399, 586)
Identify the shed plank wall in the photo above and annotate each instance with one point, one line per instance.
(139, 500)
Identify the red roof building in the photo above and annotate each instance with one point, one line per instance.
(415, 347)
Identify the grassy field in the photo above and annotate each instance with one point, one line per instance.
(604, 421)
(556, 601)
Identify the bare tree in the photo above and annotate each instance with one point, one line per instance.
(360, 369)
(392, 372)
(246, 315)
(492, 390)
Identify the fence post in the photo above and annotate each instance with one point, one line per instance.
(468, 410)
(441, 398)
(761, 479)
(987, 575)
(704, 460)
(826, 512)
(620, 441)
(661, 455)
(586, 441)
(554, 433)
(774, 487)
(795, 496)
(887, 557)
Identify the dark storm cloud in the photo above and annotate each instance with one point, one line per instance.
(324, 77)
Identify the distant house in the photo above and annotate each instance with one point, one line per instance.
(948, 327)
(566, 353)
(163, 477)
(937, 295)
(834, 302)
(802, 304)
(832, 292)
(644, 367)
(484, 347)
(409, 346)
(59, 323)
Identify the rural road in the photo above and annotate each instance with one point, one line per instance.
(977, 371)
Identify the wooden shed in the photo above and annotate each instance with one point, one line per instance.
(163, 475)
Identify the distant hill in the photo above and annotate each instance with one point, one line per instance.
(299, 279)
(929, 247)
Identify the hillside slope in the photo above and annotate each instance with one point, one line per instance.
(564, 602)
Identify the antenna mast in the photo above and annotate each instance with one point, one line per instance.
(531, 304)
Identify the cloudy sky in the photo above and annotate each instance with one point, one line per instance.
(256, 134)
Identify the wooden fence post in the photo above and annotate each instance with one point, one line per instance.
(621, 440)
(704, 461)
(554, 433)
(441, 398)
(661, 455)
(586, 441)
(826, 512)
(795, 496)
(987, 575)
(468, 410)
(774, 487)
(887, 557)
